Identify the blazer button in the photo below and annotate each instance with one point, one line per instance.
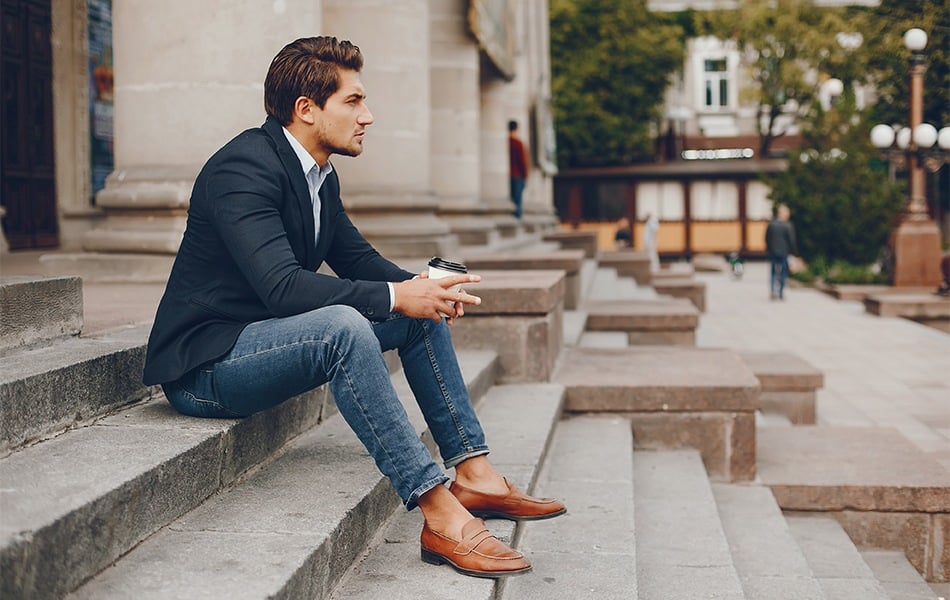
(370, 312)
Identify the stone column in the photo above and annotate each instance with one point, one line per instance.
(388, 189)
(493, 149)
(535, 56)
(454, 150)
(188, 77)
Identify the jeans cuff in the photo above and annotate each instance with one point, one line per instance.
(451, 462)
(413, 500)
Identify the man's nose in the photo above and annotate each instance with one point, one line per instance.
(366, 117)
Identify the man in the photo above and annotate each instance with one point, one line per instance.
(779, 244)
(246, 322)
(518, 166)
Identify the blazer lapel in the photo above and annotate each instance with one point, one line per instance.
(299, 185)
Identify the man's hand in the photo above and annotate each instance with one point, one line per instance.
(431, 298)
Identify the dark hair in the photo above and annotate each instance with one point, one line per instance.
(307, 67)
(512, 125)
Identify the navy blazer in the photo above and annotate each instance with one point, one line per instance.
(248, 255)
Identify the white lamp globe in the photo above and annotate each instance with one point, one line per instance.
(925, 135)
(903, 138)
(943, 138)
(882, 136)
(834, 87)
(915, 39)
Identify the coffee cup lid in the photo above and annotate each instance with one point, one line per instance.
(447, 265)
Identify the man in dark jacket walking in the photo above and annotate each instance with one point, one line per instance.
(779, 244)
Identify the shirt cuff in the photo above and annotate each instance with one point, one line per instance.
(392, 296)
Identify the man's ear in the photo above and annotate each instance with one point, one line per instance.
(305, 110)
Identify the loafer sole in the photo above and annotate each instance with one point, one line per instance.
(491, 514)
(433, 558)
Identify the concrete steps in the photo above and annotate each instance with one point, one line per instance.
(836, 563)
(767, 558)
(682, 551)
(591, 551)
(520, 419)
(74, 504)
(897, 576)
(50, 378)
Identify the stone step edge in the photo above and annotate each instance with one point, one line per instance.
(38, 309)
(49, 388)
(671, 492)
(390, 565)
(368, 507)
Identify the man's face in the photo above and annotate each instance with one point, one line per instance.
(339, 127)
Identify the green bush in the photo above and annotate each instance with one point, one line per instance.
(841, 272)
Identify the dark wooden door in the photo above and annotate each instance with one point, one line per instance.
(27, 190)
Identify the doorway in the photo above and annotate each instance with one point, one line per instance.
(27, 172)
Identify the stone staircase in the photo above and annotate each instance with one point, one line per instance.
(653, 448)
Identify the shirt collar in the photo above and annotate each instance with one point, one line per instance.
(306, 161)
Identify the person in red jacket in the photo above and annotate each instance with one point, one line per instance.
(518, 162)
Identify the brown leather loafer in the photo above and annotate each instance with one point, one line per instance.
(515, 505)
(478, 553)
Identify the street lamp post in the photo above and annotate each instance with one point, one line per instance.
(915, 243)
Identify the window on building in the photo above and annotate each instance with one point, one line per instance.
(716, 81)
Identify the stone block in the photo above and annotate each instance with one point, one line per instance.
(788, 384)
(912, 306)
(850, 468)
(568, 261)
(520, 318)
(657, 378)
(666, 321)
(574, 239)
(682, 287)
(39, 309)
(675, 397)
(725, 440)
(629, 263)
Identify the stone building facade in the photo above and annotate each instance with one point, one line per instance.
(443, 78)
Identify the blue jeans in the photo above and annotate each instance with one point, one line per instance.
(277, 359)
(778, 276)
(517, 193)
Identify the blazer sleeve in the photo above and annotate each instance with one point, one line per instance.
(253, 205)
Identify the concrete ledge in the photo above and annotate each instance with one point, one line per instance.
(710, 263)
(44, 390)
(665, 321)
(39, 309)
(520, 318)
(843, 291)
(912, 306)
(569, 261)
(676, 397)
(683, 287)
(789, 384)
(629, 263)
(673, 270)
(110, 267)
(883, 489)
(574, 239)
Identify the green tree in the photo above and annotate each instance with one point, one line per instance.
(887, 59)
(610, 62)
(785, 45)
(843, 206)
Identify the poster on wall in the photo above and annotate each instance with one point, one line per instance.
(101, 151)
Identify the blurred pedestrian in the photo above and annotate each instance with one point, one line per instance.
(518, 166)
(649, 240)
(623, 237)
(779, 244)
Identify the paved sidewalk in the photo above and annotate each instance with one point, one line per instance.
(879, 371)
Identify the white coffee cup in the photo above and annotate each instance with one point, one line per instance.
(439, 268)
